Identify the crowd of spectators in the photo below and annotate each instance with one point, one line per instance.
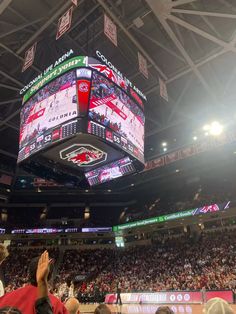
(176, 264)
(168, 264)
(16, 265)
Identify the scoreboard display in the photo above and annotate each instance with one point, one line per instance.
(81, 114)
(110, 171)
(117, 117)
(43, 118)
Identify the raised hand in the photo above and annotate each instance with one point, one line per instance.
(43, 268)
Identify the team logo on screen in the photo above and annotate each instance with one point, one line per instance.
(83, 87)
(83, 155)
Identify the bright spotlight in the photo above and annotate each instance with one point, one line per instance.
(216, 128)
(164, 149)
(195, 138)
(164, 144)
(206, 127)
(206, 133)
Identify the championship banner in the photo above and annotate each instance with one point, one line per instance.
(189, 151)
(5, 179)
(157, 298)
(29, 57)
(110, 30)
(163, 89)
(142, 65)
(171, 157)
(64, 23)
(155, 163)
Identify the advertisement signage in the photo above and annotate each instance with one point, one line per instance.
(226, 295)
(187, 213)
(169, 297)
(52, 74)
(157, 298)
(98, 229)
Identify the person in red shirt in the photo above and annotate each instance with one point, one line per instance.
(24, 299)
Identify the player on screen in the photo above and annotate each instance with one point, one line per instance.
(103, 89)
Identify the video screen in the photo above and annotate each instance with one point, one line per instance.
(53, 105)
(114, 109)
(111, 171)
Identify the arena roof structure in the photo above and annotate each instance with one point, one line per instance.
(190, 44)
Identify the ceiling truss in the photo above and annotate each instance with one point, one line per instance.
(165, 11)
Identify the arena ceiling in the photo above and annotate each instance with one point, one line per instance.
(188, 43)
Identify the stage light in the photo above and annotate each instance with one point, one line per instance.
(164, 144)
(216, 128)
(108, 191)
(195, 138)
(164, 149)
(86, 191)
(206, 127)
(177, 170)
(132, 184)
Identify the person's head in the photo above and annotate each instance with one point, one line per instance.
(9, 310)
(164, 310)
(217, 306)
(33, 269)
(72, 306)
(3, 253)
(102, 309)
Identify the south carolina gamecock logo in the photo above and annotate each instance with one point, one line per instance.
(83, 155)
(83, 87)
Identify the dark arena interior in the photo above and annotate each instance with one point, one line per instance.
(118, 156)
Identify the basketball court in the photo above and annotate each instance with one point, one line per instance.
(147, 308)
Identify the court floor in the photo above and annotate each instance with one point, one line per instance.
(147, 308)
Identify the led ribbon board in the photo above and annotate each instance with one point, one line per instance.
(187, 213)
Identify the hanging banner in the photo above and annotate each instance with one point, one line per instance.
(171, 157)
(75, 2)
(163, 89)
(29, 57)
(64, 23)
(110, 29)
(142, 65)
